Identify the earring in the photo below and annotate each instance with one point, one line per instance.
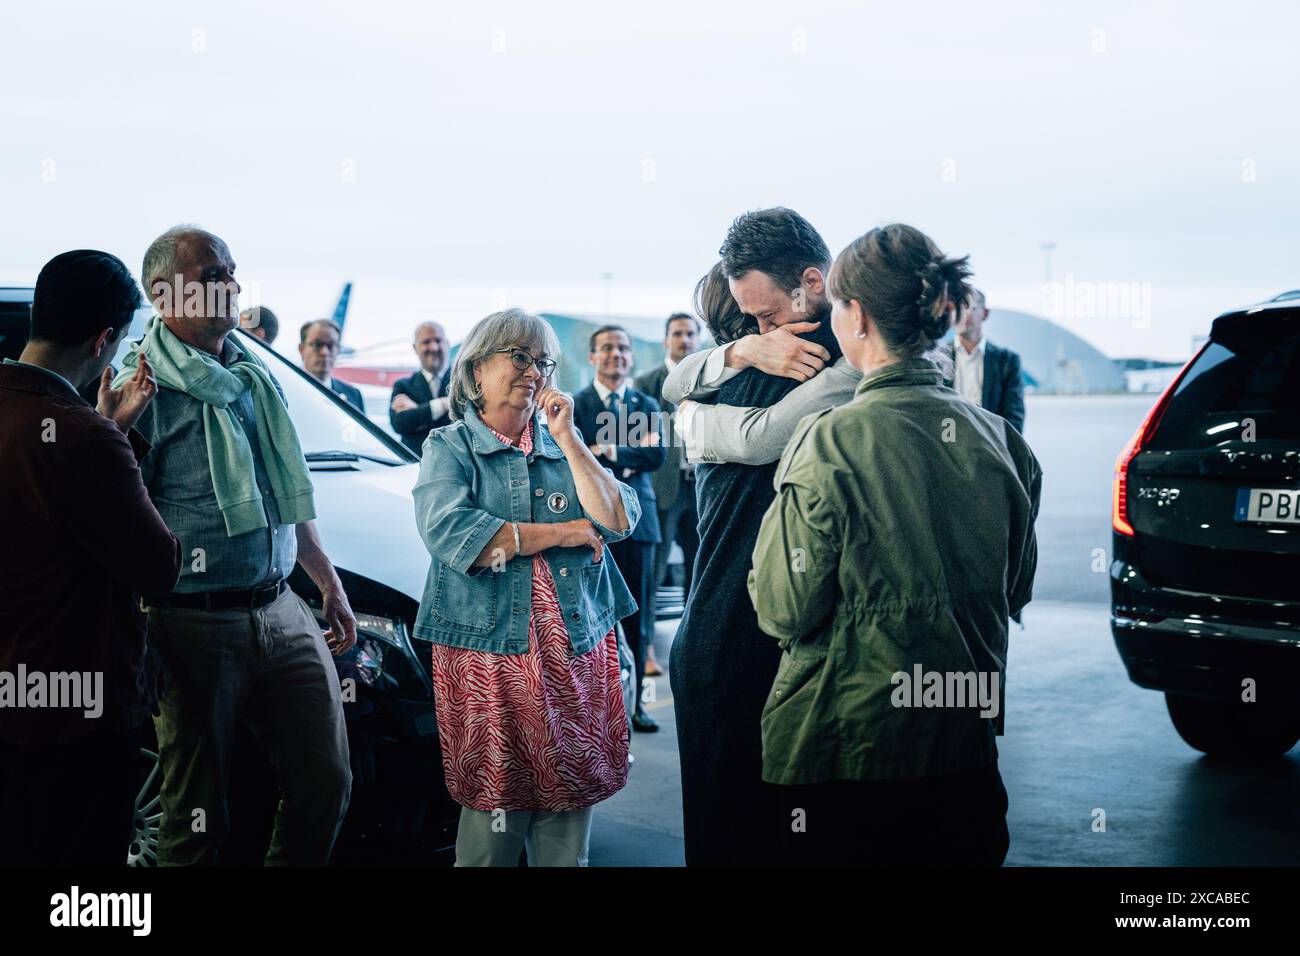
(859, 335)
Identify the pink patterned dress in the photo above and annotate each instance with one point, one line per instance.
(537, 731)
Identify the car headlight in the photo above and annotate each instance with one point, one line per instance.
(383, 658)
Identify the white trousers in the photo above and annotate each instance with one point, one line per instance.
(496, 837)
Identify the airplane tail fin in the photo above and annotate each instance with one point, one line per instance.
(341, 309)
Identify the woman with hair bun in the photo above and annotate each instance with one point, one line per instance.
(900, 541)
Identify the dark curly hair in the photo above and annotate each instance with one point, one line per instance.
(908, 287)
(718, 309)
(778, 242)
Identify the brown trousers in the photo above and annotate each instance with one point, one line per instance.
(270, 669)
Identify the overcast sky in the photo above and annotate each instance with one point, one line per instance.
(454, 158)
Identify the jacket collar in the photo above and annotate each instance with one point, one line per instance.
(485, 443)
(918, 371)
(34, 378)
(603, 392)
(950, 346)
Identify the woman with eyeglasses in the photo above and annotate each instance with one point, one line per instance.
(520, 603)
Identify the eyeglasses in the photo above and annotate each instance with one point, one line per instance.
(522, 360)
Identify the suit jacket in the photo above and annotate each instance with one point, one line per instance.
(82, 538)
(1004, 387)
(414, 424)
(350, 393)
(634, 464)
(666, 481)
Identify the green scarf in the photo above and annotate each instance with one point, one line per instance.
(199, 375)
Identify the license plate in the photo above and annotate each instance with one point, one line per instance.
(1269, 505)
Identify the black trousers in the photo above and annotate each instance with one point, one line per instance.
(957, 819)
(72, 804)
(635, 560)
(678, 523)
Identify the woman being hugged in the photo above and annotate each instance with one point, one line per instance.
(519, 604)
(900, 540)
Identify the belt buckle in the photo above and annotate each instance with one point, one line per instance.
(268, 592)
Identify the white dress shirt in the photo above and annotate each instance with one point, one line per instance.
(610, 451)
(968, 376)
(439, 404)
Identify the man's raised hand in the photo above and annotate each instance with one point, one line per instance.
(781, 352)
(125, 405)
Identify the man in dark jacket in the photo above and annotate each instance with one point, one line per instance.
(621, 426)
(318, 345)
(82, 540)
(983, 373)
(674, 483)
(422, 402)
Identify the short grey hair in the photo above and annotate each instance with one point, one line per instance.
(160, 257)
(977, 297)
(499, 330)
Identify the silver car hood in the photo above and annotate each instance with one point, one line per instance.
(366, 519)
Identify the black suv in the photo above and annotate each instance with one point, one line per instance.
(1205, 576)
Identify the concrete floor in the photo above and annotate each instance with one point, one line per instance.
(1079, 737)
(642, 824)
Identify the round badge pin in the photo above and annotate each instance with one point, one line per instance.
(557, 503)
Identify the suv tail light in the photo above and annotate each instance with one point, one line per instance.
(1119, 497)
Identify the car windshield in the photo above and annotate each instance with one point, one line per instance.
(328, 428)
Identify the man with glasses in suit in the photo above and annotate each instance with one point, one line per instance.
(318, 345)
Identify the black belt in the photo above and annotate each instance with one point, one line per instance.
(245, 598)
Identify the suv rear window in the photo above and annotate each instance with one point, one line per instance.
(1240, 375)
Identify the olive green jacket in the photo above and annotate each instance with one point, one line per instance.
(901, 538)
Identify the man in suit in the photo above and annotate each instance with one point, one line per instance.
(620, 424)
(421, 402)
(674, 483)
(82, 541)
(984, 373)
(318, 344)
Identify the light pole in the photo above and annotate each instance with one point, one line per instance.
(608, 278)
(1047, 248)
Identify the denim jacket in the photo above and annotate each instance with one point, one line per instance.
(470, 485)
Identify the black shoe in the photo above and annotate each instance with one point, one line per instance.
(644, 723)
